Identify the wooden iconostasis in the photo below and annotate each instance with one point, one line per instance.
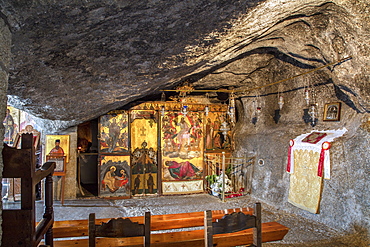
(155, 148)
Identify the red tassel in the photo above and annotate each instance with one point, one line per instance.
(325, 146)
(291, 143)
(321, 163)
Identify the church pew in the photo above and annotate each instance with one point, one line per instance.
(271, 231)
(78, 228)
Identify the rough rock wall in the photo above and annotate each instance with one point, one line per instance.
(311, 34)
(106, 53)
(75, 60)
(5, 40)
(345, 197)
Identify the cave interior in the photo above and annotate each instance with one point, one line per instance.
(269, 80)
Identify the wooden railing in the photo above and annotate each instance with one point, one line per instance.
(19, 225)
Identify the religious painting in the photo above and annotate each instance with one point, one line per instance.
(144, 171)
(182, 176)
(217, 135)
(11, 125)
(314, 137)
(332, 111)
(114, 176)
(182, 135)
(177, 169)
(114, 132)
(144, 139)
(182, 152)
(28, 119)
(144, 127)
(57, 145)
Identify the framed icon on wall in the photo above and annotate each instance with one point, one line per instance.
(57, 145)
(332, 111)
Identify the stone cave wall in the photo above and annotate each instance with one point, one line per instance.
(345, 198)
(5, 42)
(314, 35)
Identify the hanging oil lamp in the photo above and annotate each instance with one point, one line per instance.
(224, 129)
(313, 114)
(307, 96)
(231, 108)
(254, 115)
(280, 101)
(162, 110)
(259, 105)
(206, 110)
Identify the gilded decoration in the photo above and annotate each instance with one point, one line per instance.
(144, 127)
(176, 106)
(115, 178)
(182, 135)
(144, 146)
(144, 170)
(182, 152)
(215, 137)
(114, 133)
(305, 185)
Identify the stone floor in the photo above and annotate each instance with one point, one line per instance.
(303, 233)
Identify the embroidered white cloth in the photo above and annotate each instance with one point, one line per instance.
(299, 144)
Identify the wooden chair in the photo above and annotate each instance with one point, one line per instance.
(19, 225)
(233, 222)
(119, 228)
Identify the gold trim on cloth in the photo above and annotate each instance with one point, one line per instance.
(305, 185)
(182, 187)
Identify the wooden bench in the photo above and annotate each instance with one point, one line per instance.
(119, 228)
(234, 222)
(79, 228)
(271, 231)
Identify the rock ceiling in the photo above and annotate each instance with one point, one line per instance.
(76, 60)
